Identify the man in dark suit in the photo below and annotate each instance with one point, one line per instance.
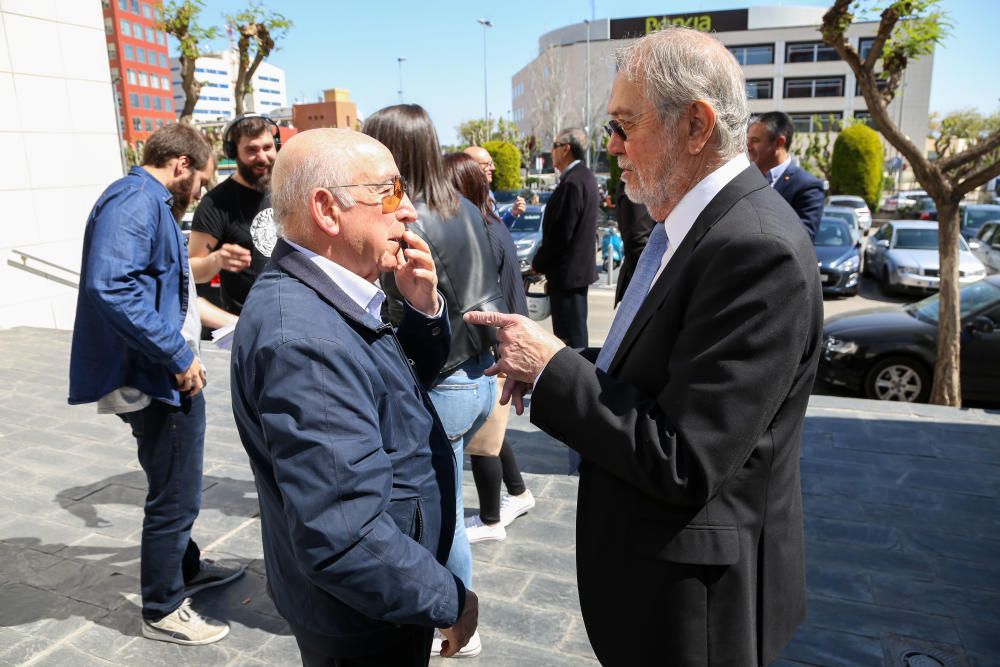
(635, 224)
(768, 141)
(567, 255)
(689, 418)
(354, 472)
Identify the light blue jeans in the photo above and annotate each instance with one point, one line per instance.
(464, 401)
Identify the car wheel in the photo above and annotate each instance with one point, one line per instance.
(898, 379)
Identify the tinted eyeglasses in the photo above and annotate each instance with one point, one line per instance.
(390, 202)
(618, 127)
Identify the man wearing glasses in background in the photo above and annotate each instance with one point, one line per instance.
(569, 238)
(486, 164)
(354, 472)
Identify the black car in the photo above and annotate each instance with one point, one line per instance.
(888, 353)
(974, 215)
(838, 249)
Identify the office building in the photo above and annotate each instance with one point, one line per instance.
(336, 110)
(217, 72)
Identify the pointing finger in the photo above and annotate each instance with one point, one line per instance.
(491, 319)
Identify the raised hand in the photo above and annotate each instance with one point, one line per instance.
(416, 276)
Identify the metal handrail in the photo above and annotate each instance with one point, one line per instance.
(23, 266)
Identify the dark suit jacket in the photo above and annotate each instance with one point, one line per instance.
(354, 472)
(689, 518)
(804, 192)
(567, 255)
(635, 224)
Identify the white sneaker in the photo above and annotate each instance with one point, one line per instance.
(512, 507)
(470, 650)
(477, 531)
(185, 626)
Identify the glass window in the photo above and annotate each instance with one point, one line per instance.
(143, 79)
(109, 26)
(131, 77)
(112, 51)
(150, 35)
(164, 83)
(163, 61)
(821, 121)
(168, 104)
(759, 89)
(127, 50)
(825, 87)
(126, 28)
(135, 6)
(136, 123)
(809, 52)
(123, 4)
(757, 54)
(137, 30)
(879, 85)
(864, 46)
(140, 54)
(147, 11)
(158, 14)
(149, 125)
(159, 123)
(161, 38)
(157, 104)
(133, 99)
(865, 118)
(145, 102)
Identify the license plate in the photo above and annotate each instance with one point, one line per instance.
(823, 278)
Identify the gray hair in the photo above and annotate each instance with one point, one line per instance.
(677, 66)
(291, 186)
(576, 139)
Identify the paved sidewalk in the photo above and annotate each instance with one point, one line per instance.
(902, 504)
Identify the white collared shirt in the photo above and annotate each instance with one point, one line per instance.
(683, 216)
(360, 291)
(568, 167)
(776, 172)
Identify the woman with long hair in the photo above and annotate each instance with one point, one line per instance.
(495, 512)
(467, 277)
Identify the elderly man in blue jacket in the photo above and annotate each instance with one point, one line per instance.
(354, 472)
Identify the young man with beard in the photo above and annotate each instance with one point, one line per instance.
(135, 353)
(220, 234)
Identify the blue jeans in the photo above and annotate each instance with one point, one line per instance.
(171, 452)
(464, 401)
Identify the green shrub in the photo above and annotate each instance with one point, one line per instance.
(507, 158)
(856, 167)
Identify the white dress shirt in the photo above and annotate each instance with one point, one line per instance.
(776, 172)
(360, 291)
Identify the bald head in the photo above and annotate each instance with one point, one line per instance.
(483, 159)
(321, 158)
(677, 66)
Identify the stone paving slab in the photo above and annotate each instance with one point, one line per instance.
(902, 514)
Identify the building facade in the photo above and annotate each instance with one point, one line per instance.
(336, 110)
(140, 72)
(217, 72)
(786, 64)
(60, 150)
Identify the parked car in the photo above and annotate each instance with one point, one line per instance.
(901, 199)
(974, 215)
(986, 246)
(527, 233)
(861, 209)
(837, 246)
(888, 353)
(903, 255)
(848, 215)
(924, 209)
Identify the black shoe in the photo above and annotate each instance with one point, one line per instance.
(212, 574)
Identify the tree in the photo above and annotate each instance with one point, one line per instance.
(258, 29)
(817, 151)
(180, 20)
(857, 164)
(909, 29)
(507, 159)
(551, 103)
(475, 132)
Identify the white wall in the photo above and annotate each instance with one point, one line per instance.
(59, 147)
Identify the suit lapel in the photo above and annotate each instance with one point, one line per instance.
(299, 266)
(785, 180)
(747, 181)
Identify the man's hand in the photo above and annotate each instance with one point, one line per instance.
(232, 257)
(518, 208)
(459, 634)
(416, 276)
(525, 349)
(192, 380)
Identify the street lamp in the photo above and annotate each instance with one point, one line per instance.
(486, 113)
(400, 62)
(586, 121)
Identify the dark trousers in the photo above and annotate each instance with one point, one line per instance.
(171, 452)
(569, 315)
(411, 648)
(488, 471)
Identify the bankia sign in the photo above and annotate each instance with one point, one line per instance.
(723, 21)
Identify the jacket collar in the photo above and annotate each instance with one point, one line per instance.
(781, 184)
(299, 266)
(152, 184)
(747, 181)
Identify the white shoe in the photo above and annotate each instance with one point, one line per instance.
(512, 507)
(477, 531)
(470, 650)
(185, 626)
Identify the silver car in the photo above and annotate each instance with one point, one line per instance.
(850, 216)
(903, 255)
(986, 245)
(861, 209)
(527, 233)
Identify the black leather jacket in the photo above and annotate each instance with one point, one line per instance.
(467, 277)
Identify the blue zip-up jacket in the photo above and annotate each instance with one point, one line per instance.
(354, 472)
(133, 295)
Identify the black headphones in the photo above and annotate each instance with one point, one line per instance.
(229, 146)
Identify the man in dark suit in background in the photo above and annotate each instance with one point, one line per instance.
(768, 141)
(689, 419)
(635, 224)
(567, 255)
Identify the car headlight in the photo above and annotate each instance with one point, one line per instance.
(908, 269)
(837, 346)
(850, 264)
(523, 244)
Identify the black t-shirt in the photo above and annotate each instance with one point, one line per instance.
(226, 214)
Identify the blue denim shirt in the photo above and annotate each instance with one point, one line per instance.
(133, 295)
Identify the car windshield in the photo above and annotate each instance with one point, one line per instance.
(843, 215)
(855, 202)
(529, 222)
(922, 239)
(833, 233)
(972, 298)
(976, 217)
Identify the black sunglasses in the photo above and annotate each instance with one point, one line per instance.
(613, 126)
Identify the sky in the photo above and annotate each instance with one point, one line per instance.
(356, 45)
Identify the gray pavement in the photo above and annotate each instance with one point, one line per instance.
(902, 509)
